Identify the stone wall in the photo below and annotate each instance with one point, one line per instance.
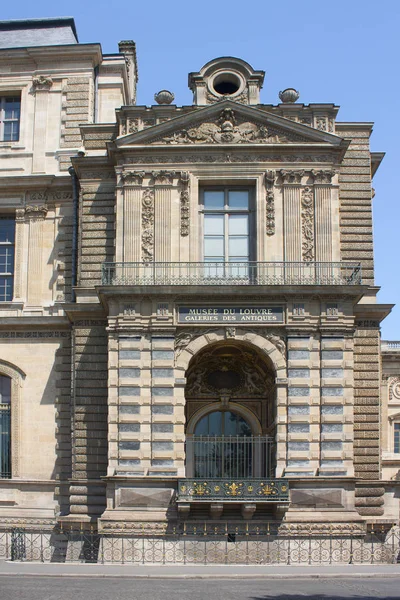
(89, 417)
(366, 402)
(355, 200)
(63, 462)
(96, 243)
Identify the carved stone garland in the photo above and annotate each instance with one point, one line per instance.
(307, 225)
(270, 204)
(185, 203)
(148, 225)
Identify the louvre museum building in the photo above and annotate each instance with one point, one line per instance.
(189, 327)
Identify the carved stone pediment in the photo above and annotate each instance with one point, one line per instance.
(228, 123)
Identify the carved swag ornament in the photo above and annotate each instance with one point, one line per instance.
(148, 225)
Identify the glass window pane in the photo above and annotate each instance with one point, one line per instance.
(5, 289)
(239, 199)
(213, 224)
(7, 230)
(202, 426)
(238, 246)
(214, 246)
(5, 389)
(215, 423)
(214, 199)
(12, 108)
(238, 224)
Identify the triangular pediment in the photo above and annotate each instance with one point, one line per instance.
(228, 123)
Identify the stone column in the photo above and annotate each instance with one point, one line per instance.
(291, 181)
(20, 254)
(163, 181)
(128, 226)
(35, 214)
(40, 86)
(323, 215)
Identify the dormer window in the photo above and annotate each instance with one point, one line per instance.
(226, 84)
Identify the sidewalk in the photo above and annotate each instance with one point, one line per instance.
(198, 571)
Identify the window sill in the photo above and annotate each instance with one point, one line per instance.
(12, 145)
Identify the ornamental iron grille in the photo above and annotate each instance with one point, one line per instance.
(230, 490)
(205, 543)
(231, 273)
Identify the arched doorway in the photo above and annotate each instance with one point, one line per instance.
(230, 413)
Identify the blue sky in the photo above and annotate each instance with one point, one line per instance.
(346, 52)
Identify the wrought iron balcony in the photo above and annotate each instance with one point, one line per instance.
(231, 273)
(233, 490)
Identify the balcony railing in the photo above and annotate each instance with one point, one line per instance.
(233, 490)
(390, 346)
(230, 456)
(231, 273)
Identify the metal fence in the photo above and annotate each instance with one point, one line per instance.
(247, 543)
(5, 440)
(231, 273)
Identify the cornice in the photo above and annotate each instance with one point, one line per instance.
(34, 181)
(76, 51)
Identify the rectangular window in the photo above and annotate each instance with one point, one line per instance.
(227, 229)
(7, 247)
(397, 438)
(10, 111)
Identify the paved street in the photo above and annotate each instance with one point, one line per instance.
(93, 588)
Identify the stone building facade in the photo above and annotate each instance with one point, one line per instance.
(189, 326)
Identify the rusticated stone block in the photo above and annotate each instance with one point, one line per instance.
(361, 492)
(370, 501)
(370, 511)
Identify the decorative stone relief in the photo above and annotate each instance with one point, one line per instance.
(307, 223)
(132, 125)
(291, 176)
(185, 203)
(185, 337)
(148, 225)
(321, 123)
(269, 200)
(394, 389)
(277, 340)
(230, 332)
(323, 176)
(122, 127)
(41, 83)
(36, 211)
(227, 129)
(163, 177)
(241, 98)
(225, 157)
(132, 177)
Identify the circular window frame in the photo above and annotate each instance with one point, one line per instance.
(231, 77)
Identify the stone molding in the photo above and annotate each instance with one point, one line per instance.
(17, 377)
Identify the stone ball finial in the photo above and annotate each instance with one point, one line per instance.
(289, 96)
(164, 97)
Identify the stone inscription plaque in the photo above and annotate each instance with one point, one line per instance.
(237, 314)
